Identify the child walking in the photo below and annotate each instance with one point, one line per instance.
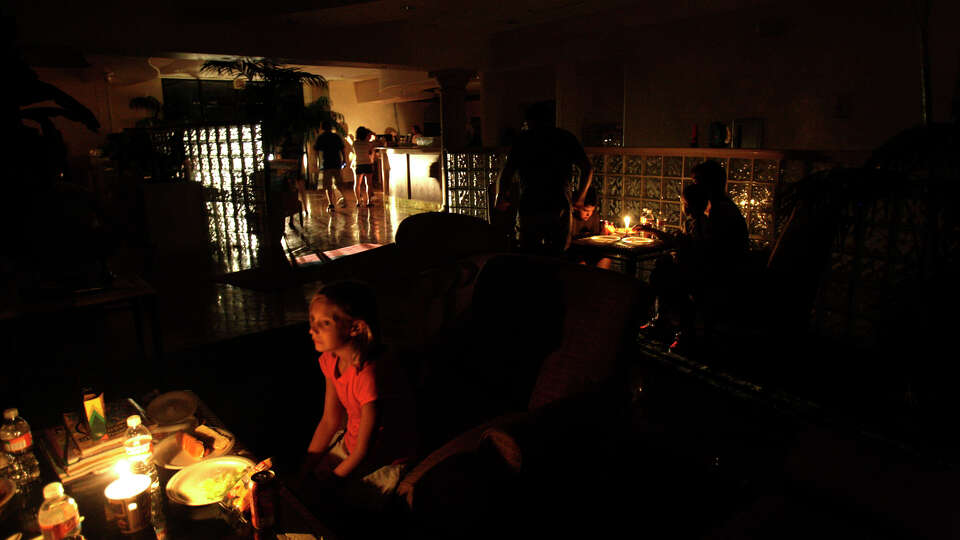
(365, 392)
(364, 149)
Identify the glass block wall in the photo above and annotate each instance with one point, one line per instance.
(229, 161)
(468, 176)
(647, 182)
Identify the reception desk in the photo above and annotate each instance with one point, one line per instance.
(412, 173)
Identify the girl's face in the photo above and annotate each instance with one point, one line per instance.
(330, 327)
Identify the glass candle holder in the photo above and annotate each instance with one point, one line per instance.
(128, 502)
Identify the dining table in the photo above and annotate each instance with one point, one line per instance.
(170, 518)
(629, 247)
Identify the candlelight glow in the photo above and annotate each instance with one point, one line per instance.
(626, 222)
(127, 486)
(122, 468)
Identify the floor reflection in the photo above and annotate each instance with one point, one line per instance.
(198, 311)
(324, 230)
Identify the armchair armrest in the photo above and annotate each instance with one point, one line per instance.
(466, 442)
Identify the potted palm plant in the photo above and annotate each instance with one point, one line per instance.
(40, 193)
(271, 95)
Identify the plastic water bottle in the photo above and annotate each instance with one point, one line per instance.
(59, 516)
(18, 442)
(139, 445)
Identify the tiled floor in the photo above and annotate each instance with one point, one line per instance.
(194, 312)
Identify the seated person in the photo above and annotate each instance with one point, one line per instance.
(710, 254)
(585, 222)
(678, 275)
(365, 391)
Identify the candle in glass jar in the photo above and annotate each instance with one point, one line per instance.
(128, 502)
(128, 485)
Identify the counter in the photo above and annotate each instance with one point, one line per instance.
(412, 173)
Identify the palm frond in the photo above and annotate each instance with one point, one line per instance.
(42, 115)
(37, 91)
(263, 69)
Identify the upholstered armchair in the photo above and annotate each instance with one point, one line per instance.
(534, 374)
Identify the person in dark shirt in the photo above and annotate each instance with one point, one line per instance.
(330, 153)
(725, 227)
(709, 255)
(543, 157)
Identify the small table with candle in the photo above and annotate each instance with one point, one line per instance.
(620, 243)
(114, 504)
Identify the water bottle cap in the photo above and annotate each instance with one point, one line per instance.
(52, 490)
(11, 413)
(133, 420)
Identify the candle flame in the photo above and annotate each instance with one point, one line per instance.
(122, 468)
(626, 222)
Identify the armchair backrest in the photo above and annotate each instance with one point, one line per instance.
(602, 310)
(570, 323)
(442, 235)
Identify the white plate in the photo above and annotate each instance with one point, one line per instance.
(7, 490)
(637, 240)
(604, 239)
(168, 453)
(200, 483)
(172, 407)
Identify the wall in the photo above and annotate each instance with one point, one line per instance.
(120, 96)
(410, 113)
(841, 77)
(375, 116)
(506, 93)
(90, 89)
(584, 108)
(108, 102)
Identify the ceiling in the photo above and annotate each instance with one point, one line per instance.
(422, 34)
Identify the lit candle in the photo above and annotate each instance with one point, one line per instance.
(127, 486)
(128, 502)
(626, 222)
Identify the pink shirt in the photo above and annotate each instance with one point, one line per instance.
(394, 437)
(355, 389)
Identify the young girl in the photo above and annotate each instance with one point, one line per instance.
(364, 389)
(364, 149)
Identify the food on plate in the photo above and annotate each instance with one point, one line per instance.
(220, 441)
(237, 497)
(215, 487)
(196, 444)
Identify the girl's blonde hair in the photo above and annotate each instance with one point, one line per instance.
(357, 300)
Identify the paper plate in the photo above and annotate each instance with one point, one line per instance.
(604, 239)
(206, 482)
(168, 453)
(172, 407)
(637, 240)
(7, 490)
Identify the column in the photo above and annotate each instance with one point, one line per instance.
(453, 107)
(493, 87)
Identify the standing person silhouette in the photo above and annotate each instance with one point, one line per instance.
(543, 157)
(364, 149)
(330, 152)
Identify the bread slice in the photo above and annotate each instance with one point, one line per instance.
(218, 440)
